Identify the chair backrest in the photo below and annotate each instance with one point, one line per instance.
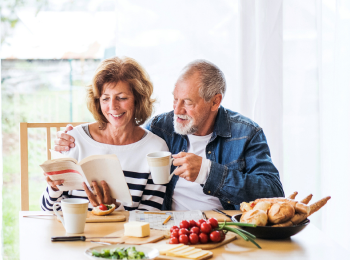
(23, 138)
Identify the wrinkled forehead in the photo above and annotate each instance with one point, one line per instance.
(187, 86)
(186, 92)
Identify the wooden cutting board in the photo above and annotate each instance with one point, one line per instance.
(155, 236)
(113, 217)
(165, 257)
(229, 238)
(116, 216)
(218, 216)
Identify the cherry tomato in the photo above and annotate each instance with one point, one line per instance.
(222, 235)
(205, 228)
(103, 207)
(195, 230)
(192, 223)
(199, 222)
(183, 239)
(173, 228)
(184, 224)
(173, 240)
(193, 238)
(213, 222)
(175, 233)
(215, 236)
(203, 238)
(183, 231)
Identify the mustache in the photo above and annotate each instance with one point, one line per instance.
(186, 117)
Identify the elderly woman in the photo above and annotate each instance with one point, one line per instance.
(120, 101)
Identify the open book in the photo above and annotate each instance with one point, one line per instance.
(91, 168)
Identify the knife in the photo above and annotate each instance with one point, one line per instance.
(76, 238)
(227, 215)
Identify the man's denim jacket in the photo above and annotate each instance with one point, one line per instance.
(241, 166)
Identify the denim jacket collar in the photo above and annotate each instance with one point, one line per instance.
(222, 126)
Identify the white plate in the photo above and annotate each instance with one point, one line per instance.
(151, 253)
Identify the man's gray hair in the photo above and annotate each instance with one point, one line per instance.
(212, 79)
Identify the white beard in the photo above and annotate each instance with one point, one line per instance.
(186, 129)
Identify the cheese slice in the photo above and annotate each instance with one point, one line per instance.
(196, 250)
(182, 247)
(163, 248)
(182, 253)
(198, 255)
(137, 229)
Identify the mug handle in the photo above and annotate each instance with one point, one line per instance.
(56, 213)
(171, 175)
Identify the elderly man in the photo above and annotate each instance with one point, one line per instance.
(223, 158)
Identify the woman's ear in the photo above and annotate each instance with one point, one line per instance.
(215, 102)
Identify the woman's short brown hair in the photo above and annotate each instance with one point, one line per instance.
(127, 70)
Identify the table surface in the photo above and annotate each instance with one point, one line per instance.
(36, 233)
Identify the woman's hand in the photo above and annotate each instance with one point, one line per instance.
(64, 141)
(100, 197)
(53, 184)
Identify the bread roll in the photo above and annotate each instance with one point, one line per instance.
(280, 212)
(246, 206)
(263, 205)
(96, 210)
(254, 216)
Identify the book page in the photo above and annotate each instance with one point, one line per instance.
(107, 168)
(66, 170)
(154, 218)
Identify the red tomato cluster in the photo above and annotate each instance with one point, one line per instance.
(193, 232)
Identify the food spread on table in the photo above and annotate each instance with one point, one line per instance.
(190, 238)
(103, 209)
(279, 212)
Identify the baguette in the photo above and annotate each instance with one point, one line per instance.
(307, 199)
(292, 196)
(317, 205)
(96, 211)
(302, 208)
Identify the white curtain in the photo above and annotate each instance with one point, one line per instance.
(316, 86)
(260, 69)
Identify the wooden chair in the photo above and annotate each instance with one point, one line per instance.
(23, 138)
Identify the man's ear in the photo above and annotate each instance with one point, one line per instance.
(215, 102)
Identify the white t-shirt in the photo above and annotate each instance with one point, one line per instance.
(189, 195)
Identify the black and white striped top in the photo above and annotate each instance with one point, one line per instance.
(145, 194)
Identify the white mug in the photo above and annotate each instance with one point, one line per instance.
(74, 214)
(160, 164)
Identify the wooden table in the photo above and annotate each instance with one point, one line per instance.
(36, 233)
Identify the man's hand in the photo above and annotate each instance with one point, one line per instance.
(64, 141)
(100, 197)
(189, 165)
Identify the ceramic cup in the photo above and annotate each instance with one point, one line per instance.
(160, 164)
(74, 214)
